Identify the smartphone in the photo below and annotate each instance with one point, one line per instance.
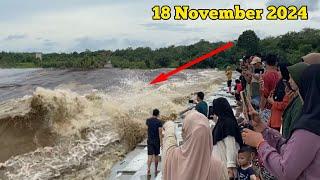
(245, 104)
(288, 85)
(210, 112)
(244, 99)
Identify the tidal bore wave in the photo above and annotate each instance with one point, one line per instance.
(63, 134)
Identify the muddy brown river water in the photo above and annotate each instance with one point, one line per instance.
(64, 124)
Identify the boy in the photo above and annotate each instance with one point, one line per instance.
(154, 139)
(245, 170)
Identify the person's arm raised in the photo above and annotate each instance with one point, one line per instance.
(293, 159)
(169, 138)
(257, 123)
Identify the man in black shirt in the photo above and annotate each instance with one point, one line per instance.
(154, 139)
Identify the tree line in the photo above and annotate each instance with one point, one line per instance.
(289, 47)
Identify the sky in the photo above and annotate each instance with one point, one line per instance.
(76, 25)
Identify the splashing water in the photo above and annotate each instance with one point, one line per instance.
(60, 133)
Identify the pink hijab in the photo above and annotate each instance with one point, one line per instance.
(194, 159)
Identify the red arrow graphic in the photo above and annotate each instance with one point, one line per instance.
(163, 77)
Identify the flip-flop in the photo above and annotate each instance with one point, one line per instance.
(148, 172)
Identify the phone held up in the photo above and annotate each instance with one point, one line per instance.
(246, 108)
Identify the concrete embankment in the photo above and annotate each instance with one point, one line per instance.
(134, 165)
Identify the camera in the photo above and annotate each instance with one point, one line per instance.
(191, 101)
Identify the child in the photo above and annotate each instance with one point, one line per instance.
(238, 89)
(229, 77)
(154, 139)
(245, 170)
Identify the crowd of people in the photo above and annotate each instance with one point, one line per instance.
(274, 133)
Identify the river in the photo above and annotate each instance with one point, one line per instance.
(67, 124)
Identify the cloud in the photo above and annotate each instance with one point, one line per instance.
(49, 43)
(76, 25)
(313, 5)
(316, 18)
(17, 9)
(188, 41)
(108, 43)
(170, 27)
(15, 37)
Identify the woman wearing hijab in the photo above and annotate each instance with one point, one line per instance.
(292, 112)
(226, 135)
(312, 58)
(194, 159)
(294, 108)
(299, 156)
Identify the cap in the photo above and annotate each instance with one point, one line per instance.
(255, 60)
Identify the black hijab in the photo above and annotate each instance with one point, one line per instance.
(280, 90)
(227, 124)
(310, 93)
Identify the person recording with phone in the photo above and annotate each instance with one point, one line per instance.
(298, 156)
(293, 110)
(268, 82)
(280, 98)
(201, 105)
(194, 159)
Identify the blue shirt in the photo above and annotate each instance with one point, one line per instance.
(244, 174)
(202, 108)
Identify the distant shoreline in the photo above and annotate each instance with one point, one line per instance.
(289, 47)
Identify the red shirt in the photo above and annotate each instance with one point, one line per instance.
(238, 88)
(276, 112)
(270, 79)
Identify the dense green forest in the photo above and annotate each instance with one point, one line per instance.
(289, 47)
